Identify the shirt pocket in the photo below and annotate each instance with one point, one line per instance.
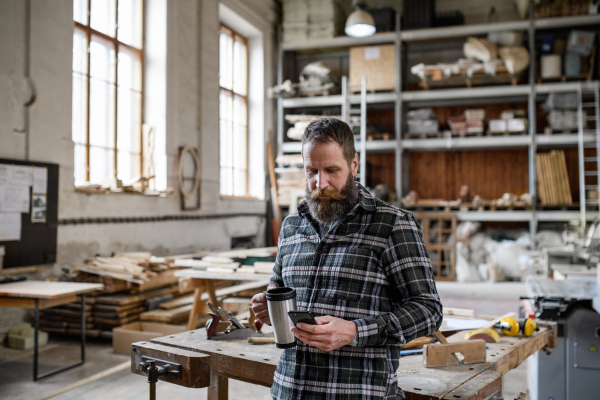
(345, 273)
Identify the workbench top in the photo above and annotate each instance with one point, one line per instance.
(190, 273)
(257, 363)
(46, 290)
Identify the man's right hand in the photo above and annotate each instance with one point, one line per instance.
(259, 306)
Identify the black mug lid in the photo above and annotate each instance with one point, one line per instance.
(281, 294)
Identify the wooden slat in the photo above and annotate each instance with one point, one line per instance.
(46, 290)
(30, 303)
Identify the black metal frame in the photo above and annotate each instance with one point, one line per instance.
(35, 342)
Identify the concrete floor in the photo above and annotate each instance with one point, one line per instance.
(16, 366)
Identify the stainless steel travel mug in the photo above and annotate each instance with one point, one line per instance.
(279, 302)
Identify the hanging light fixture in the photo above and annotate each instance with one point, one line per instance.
(360, 23)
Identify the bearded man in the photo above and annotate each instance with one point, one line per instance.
(360, 265)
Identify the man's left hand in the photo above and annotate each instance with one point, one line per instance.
(331, 333)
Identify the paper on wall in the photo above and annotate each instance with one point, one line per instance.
(38, 208)
(10, 227)
(40, 180)
(14, 199)
(372, 53)
(20, 175)
(4, 173)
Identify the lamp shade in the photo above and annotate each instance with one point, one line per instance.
(360, 24)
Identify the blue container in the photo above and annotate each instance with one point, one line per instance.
(547, 43)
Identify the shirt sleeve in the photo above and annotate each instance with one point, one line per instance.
(409, 272)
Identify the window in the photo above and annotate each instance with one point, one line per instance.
(233, 113)
(107, 89)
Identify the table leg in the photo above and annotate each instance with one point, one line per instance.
(36, 325)
(36, 317)
(218, 389)
(210, 287)
(196, 307)
(82, 328)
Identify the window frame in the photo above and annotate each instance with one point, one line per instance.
(236, 36)
(139, 54)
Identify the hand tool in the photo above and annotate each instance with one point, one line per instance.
(439, 336)
(235, 330)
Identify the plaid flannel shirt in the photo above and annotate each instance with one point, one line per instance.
(372, 269)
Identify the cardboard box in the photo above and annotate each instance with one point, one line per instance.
(378, 63)
(125, 335)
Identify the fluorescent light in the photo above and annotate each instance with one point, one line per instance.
(360, 24)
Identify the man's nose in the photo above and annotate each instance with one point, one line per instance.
(322, 181)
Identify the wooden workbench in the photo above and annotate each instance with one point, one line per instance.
(202, 281)
(256, 364)
(39, 295)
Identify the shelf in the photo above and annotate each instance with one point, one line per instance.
(459, 143)
(443, 32)
(562, 139)
(336, 100)
(480, 92)
(522, 216)
(374, 146)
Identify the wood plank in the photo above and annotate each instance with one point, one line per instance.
(479, 388)
(46, 290)
(126, 299)
(174, 315)
(218, 388)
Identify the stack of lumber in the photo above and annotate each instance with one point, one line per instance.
(137, 272)
(104, 312)
(553, 180)
(235, 261)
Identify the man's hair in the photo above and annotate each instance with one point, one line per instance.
(331, 130)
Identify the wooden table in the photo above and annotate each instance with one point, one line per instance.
(39, 295)
(256, 364)
(202, 281)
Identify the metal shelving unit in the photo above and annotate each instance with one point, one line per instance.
(530, 93)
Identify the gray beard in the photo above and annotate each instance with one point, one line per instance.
(331, 210)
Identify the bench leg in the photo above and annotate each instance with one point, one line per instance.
(218, 389)
(196, 307)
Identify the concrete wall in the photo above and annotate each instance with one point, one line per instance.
(36, 40)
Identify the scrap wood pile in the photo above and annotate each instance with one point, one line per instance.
(243, 261)
(137, 272)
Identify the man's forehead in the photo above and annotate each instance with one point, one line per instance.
(319, 152)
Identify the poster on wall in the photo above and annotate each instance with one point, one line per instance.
(38, 208)
(10, 226)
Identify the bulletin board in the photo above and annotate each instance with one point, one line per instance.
(28, 212)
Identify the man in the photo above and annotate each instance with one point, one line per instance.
(360, 265)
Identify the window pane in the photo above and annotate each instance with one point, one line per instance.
(130, 22)
(79, 51)
(102, 59)
(128, 166)
(129, 74)
(79, 108)
(240, 68)
(102, 113)
(101, 164)
(103, 16)
(80, 11)
(225, 60)
(128, 120)
(226, 162)
(79, 171)
(240, 146)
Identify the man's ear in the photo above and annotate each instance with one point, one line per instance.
(354, 165)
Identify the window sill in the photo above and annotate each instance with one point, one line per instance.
(97, 189)
(252, 198)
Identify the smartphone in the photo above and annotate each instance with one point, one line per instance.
(305, 317)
